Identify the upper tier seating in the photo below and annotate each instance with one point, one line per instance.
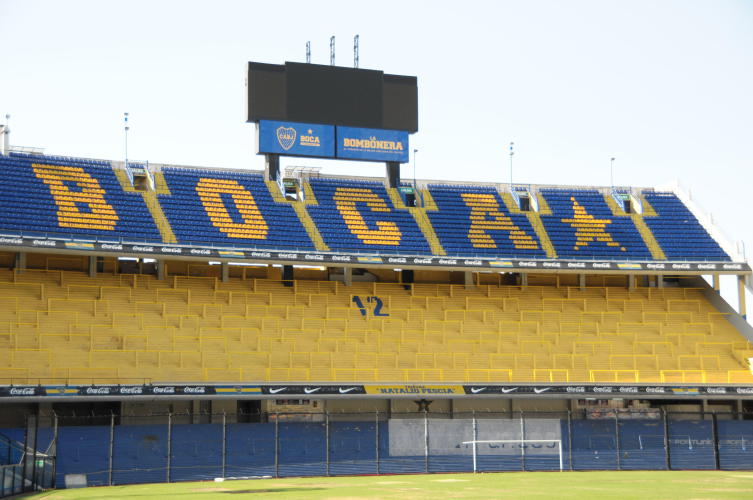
(677, 230)
(70, 197)
(65, 327)
(229, 208)
(474, 220)
(359, 215)
(84, 199)
(582, 226)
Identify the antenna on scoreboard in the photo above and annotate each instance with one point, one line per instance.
(308, 52)
(332, 50)
(355, 51)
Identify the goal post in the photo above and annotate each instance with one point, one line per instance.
(521, 442)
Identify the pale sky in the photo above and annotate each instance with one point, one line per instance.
(663, 86)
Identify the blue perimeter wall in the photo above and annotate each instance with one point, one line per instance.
(140, 452)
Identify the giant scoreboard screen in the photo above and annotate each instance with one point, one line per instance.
(313, 93)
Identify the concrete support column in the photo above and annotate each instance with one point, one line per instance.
(582, 281)
(715, 281)
(631, 281)
(741, 296)
(195, 412)
(393, 174)
(469, 280)
(161, 269)
(92, 266)
(45, 414)
(225, 269)
(573, 405)
(348, 276)
(659, 281)
(523, 280)
(271, 167)
(20, 263)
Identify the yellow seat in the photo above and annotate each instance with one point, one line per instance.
(65, 324)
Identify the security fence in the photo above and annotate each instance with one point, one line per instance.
(22, 466)
(181, 447)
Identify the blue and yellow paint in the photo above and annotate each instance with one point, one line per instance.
(588, 228)
(210, 193)
(486, 216)
(59, 178)
(346, 198)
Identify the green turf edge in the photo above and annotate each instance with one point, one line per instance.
(606, 485)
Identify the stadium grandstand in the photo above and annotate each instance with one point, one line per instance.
(170, 323)
(206, 291)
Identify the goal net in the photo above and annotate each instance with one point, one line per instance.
(536, 450)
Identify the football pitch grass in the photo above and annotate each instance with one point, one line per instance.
(644, 485)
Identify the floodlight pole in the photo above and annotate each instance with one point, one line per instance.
(611, 171)
(308, 52)
(126, 128)
(332, 50)
(355, 51)
(415, 184)
(5, 137)
(511, 155)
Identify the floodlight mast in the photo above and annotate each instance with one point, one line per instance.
(125, 130)
(511, 155)
(332, 50)
(5, 139)
(355, 51)
(308, 52)
(415, 184)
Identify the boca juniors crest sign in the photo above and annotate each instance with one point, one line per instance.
(296, 139)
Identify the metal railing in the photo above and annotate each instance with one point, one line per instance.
(23, 467)
(62, 236)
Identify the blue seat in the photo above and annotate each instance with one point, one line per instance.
(359, 215)
(276, 225)
(593, 232)
(103, 210)
(480, 211)
(678, 232)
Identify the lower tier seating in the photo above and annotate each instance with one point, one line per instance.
(65, 327)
